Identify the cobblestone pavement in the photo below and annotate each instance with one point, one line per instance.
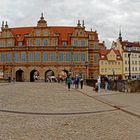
(126, 101)
(48, 111)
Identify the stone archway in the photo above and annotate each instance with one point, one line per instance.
(49, 75)
(62, 75)
(34, 75)
(19, 75)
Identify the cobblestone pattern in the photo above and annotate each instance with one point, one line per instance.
(35, 97)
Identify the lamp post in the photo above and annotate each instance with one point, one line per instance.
(129, 61)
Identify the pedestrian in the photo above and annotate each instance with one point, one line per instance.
(76, 81)
(106, 83)
(68, 82)
(99, 84)
(81, 82)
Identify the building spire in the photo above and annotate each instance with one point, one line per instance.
(6, 25)
(79, 24)
(120, 35)
(42, 17)
(83, 24)
(2, 26)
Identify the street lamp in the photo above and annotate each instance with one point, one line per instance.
(129, 48)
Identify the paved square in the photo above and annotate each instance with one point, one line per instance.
(48, 111)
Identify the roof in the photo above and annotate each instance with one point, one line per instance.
(134, 44)
(21, 31)
(105, 52)
(64, 31)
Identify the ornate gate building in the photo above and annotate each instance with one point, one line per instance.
(29, 53)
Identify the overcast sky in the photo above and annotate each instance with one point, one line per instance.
(105, 16)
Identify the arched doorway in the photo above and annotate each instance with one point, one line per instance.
(49, 76)
(19, 76)
(34, 75)
(62, 75)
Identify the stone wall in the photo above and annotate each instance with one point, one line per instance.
(130, 86)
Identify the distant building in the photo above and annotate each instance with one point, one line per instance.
(34, 53)
(110, 63)
(134, 57)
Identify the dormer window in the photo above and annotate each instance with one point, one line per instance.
(118, 56)
(26, 35)
(17, 35)
(64, 43)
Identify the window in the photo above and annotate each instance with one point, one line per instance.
(20, 43)
(37, 33)
(125, 55)
(45, 57)
(82, 57)
(16, 57)
(2, 43)
(37, 42)
(37, 56)
(3, 57)
(95, 58)
(31, 57)
(64, 43)
(9, 43)
(75, 43)
(83, 43)
(45, 33)
(30, 43)
(9, 57)
(95, 46)
(75, 56)
(68, 57)
(52, 56)
(45, 42)
(23, 57)
(60, 56)
(125, 62)
(26, 35)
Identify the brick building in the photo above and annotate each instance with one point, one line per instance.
(26, 52)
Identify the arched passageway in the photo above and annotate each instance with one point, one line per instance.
(19, 75)
(34, 75)
(50, 76)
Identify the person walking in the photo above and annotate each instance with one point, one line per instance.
(81, 82)
(76, 81)
(106, 84)
(68, 82)
(99, 84)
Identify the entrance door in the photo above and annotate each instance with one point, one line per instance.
(19, 76)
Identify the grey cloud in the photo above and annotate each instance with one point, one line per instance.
(105, 16)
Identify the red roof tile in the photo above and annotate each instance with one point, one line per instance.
(64, 31)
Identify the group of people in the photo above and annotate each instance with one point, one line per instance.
(97, 86)
(75, 81)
